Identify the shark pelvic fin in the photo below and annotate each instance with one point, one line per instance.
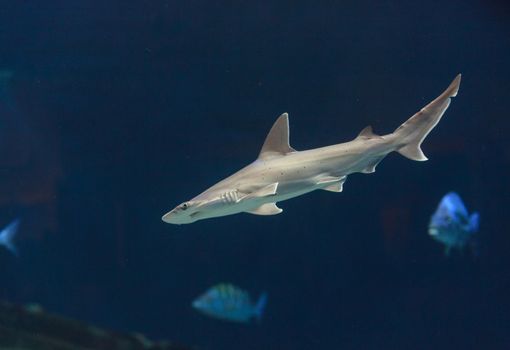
(336, 187)
(371, 167)
(277, 141)
(266, 209)
(332, 184)
(266, 191)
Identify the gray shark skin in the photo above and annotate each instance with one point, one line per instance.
(280, 172)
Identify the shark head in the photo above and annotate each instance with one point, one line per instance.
(241, 192)
(215, 203)
(184, 213)
(206, 205)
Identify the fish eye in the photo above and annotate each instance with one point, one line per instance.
(184, 206)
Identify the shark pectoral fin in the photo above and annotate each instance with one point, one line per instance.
(266, 191)
(332, 183)
(266, 209)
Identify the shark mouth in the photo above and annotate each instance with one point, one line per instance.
(195, 214)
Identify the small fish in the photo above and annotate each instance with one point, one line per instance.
(7, 236)
(452, 226)
(228, 302)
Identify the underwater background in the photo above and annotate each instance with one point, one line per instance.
(112, 113)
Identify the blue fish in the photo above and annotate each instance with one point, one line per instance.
(228, 302)
(7, 236)
(453, 226)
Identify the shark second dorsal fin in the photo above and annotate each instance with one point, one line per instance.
(367, 133)
(277, 141)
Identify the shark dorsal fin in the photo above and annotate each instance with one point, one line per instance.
(277, 141)
(367, 133)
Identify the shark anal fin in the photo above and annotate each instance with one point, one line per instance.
(266, 191)
(277, 141)
(332, 183)
(266, 209)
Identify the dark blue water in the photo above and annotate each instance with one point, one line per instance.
(118, 111)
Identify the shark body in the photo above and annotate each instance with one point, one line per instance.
(280, 172)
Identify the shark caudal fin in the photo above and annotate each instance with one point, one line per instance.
(411, 134)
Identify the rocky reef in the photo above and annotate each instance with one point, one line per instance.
(30, 328)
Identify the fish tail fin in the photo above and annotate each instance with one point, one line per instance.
(474, 225)
(474, 222)
(7, 236)
(411, 134)
(260, 306)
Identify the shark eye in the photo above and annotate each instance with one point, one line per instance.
(184, 206)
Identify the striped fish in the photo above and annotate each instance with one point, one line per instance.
(228, 302)
(452, 225)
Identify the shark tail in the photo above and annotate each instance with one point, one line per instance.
(411, 134)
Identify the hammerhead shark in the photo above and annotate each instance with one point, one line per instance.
(280, 172)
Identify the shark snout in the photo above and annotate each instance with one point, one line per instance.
(167, 217)
(178, 217)
(173, 218)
